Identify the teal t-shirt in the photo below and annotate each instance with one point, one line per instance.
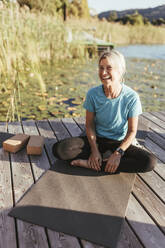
(111, 115)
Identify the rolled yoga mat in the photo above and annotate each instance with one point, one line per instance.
(78, 201)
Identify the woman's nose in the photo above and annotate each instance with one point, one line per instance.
(104, 71)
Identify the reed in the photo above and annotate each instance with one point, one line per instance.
(121, 34)
(28, 40)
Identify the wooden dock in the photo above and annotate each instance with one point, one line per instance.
(144, 225)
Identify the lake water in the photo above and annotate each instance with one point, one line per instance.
(68, 83)
(143, 51)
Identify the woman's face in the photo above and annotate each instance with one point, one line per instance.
(109, 72)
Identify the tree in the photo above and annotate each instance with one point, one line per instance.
(112, 16)
(134, 19)
(49, 6)
(78, 8)
(158, 22)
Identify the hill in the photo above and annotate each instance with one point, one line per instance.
(150, 13)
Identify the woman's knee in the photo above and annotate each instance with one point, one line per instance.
(150, 162)
(68, 148)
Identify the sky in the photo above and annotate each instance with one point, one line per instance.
(105, 5)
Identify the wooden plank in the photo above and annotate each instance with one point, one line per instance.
(28, 235)
(153, 127)
(154, 119)
(159, 115)
(7, 224)
(150, 201)
(72, 127)
(128, 238)
(155, 182)
(160, 169)
(22, 175)
(56, 239)
(162, 113)
(49, 136)
(59, 129)
(158, 139)
(147, 231)
(87, 244)
(61, 240)
(39, 163)
(144, 129)
(80, 122)
(155, 149)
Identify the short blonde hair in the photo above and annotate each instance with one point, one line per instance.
(116, 57)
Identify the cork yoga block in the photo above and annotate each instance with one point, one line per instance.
(15, 143)
(35, 145)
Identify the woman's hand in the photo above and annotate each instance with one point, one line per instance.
(112, 162)
(95, 160)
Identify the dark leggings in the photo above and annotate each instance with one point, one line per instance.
(134, 160)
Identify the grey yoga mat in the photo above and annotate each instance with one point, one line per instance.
(78, 201)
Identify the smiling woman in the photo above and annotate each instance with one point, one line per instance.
(112, 111)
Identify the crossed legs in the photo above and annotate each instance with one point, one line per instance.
(76, 150)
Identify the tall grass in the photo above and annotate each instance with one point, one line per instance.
(29, 39)
(122, 34)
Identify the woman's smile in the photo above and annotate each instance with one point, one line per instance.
(108, 71)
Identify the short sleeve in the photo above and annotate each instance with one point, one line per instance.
(135, 107)
(89, 103)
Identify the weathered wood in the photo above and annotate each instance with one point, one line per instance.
(149, 188)
(28, 235)
(128, 238)
(61, 240)
(157, 150)
(149, 234)
(156, 138)
(155, 182)
(80, 122)
(150, 201)
(144, 130)
(87, 244)
(159, 115)
(7, 224)
(154, 119)
(153, 126)
(59, 129)
(72, 127)
(160, 169)
(39, 163)
(22, 175)
(50, 139)
(56, 239)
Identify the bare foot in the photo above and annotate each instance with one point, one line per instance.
(80, 162)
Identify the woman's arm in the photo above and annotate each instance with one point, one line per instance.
(114, 160)
(90, 130)
(131, 133)
(95, 157)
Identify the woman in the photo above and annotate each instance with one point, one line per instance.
(112, 110)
